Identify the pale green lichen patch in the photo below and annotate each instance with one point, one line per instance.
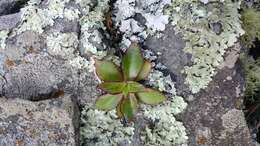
(3, 37)
(62, 44)
(79, 63)
(36, 19)
(163, 83)
(103, 128)
(91, 23)
(208, 30)
(167, 130)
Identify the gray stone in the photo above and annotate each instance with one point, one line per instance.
(37, 123)
(171, 45)
(9, 21)
(10, 6)
(35, 78)
(27, 42)
(219, 110)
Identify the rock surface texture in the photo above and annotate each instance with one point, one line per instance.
(43, 123)
(48, 84)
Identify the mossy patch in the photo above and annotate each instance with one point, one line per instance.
(250, 18)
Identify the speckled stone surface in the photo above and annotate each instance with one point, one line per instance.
(45, 123)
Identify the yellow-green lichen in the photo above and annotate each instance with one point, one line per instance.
(208, 30)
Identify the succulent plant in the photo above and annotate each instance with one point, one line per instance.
(121, 84)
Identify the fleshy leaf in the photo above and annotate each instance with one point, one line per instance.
(108, 101)
(151, 97)
(129, 107)
(112, 87)
(108, 71)
(147, 66)
(134, 87)
(132, 62)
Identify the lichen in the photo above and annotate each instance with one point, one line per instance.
(133, 28)
(101, 128)
(91, 23)
(3, 37)
(166, 129)
(163, 83)
(79, 63)
(208, 30)
(233, 119)
(36, 19)
(62, 44)
(71, 14)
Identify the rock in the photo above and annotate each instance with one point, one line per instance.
(214, 116)
(9, 21)
(44, 59)
(42, 123)
(10, 6)
(171, 46)
(219, 110)
(36, 78)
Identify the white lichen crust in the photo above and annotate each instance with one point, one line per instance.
(62, 44)
(133, 30)
(208, 30)
(3, 37)
(91, 23)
